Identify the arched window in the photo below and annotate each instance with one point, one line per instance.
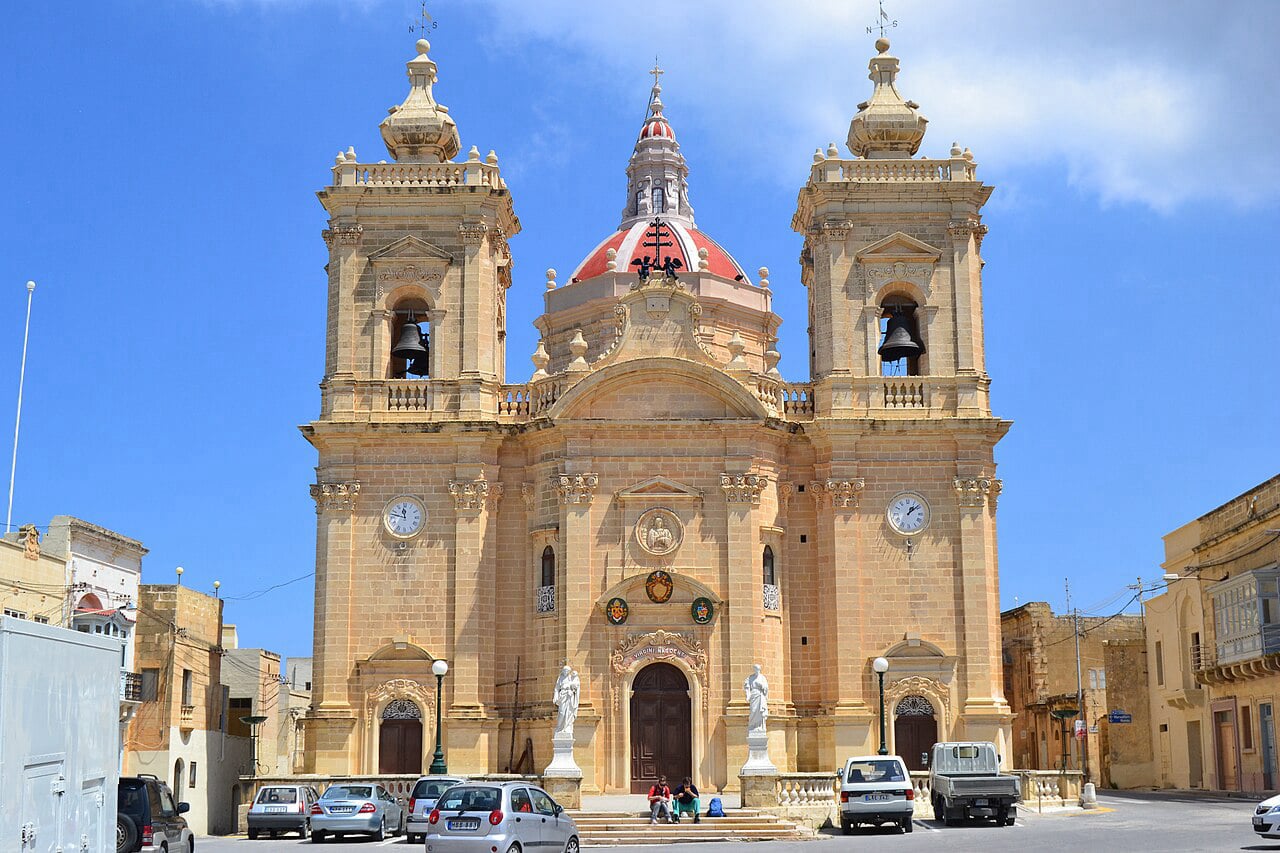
(548, 566)
(770, 576)
(410, 340)
(900, 343)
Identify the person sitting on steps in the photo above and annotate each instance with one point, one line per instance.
(660, 801)
(686, 800)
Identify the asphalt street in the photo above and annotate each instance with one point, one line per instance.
(1125, 822)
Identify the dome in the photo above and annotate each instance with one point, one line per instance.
(655, 129)
(686, 241)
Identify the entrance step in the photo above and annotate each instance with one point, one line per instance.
(612, 829)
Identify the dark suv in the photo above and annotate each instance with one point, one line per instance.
(148, 821)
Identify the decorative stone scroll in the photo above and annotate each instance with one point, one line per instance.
(659, 646)
(577, 488)
(474, 495)
(335, 496)
(391, 278)
(399, 690)
(976, 491)
(529, 494)
(914, 694)
(743, 488)
(343, 235)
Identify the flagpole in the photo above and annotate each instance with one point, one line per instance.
(22, 375)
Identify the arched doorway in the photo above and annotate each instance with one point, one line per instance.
(178, 767)
(915, 730)
(400, 738)
(661, 727)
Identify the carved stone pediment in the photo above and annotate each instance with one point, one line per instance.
(898, 257)
(409, 260)
(409, 247)
(660, 489)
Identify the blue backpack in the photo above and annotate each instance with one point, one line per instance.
(716, 809)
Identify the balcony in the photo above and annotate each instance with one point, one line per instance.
(187, 718)
(130, 687)
(1242, 657)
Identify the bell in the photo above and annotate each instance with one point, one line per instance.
(419, 367)
(899, 340)
(410, 344)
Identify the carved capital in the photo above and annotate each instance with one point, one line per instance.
(577, 488)
(843, 494)
(962, 229)
(473, 233)
(743, 488)
(976, 491)
(474, 495)
(343, 235)
(835, 231)
(979, 233)
(335, 496)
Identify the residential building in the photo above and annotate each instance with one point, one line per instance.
(1213, 640)
(296, 702)
(33, 581)
(254, 691)
(656, 505)
(180, 731)
(1043, 674)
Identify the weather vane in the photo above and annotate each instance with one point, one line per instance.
(426, 23)
(883, 22)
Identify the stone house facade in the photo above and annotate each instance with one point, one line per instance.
(656, 506)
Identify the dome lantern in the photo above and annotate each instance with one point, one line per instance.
(420, 130)
(886, 126)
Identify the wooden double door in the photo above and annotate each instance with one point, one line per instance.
(661, 727)
(400, 746)
(913, 739)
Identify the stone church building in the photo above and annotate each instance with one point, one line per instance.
(656, 505)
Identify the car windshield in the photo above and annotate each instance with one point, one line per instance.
(348, 792)
(278, 795)
(875, 771)
(470, 798)
(430, 789)
(131, 798)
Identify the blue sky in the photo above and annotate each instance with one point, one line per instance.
(164, 159)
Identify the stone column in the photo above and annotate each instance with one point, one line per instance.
(332, 719)
(743, 592)
(345, 267)
(984, 714)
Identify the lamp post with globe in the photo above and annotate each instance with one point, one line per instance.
(881, 666)
(438, 766)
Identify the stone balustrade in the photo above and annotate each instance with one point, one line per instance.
(807, 798)
(471, 173)
(833, 170)
(1050, 788)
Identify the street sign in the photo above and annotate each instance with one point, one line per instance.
(1080, 727)
(1119, 717)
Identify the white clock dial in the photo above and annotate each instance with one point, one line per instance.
(908, 514)
(403, 517)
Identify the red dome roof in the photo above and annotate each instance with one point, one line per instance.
(686, 243)
(656, 128)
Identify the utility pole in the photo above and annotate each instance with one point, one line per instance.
(22, 375)
(1084, 716)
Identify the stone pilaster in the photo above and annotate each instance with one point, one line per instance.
(345, 266)
(742, 498)
(968, 289)
(576, 493)
(474, 579)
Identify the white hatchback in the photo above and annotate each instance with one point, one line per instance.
(876, 789)
(1266, 818)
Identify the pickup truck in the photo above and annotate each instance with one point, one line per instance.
(966, 782)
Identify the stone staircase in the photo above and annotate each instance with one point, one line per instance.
(613, 829)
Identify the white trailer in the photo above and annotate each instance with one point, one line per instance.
(59, 732)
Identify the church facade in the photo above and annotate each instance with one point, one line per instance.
(656, 507)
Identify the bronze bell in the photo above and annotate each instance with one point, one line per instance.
(899, 337)
(409, 346)
(419, 366)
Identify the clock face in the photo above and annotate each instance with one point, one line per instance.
(403, 517)
(908, 514)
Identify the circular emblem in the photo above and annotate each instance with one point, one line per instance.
(616, 611)
(659, 587)
(702, 610)
(659, 532)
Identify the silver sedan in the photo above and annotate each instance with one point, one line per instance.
(356, 808)
(507, 817)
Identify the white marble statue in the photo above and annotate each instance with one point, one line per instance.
(757, 690)
(568, 686)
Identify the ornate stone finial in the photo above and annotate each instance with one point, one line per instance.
(420, 130)
(29, 535)
(955, 149)
(832, 151)
(976, 491)
(886, 126)
(578, 348)
(551, 279)
(771, 359)
(335, 496)
(540, 361)
(474, 495)
(764, 277)
(817, 155)
(473, 156)
(743, 488)
(704, 259)
(611, 260)
(491, 158)
(577, 488)
(736, 347)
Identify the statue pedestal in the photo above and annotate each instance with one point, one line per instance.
(563, 776)
(758, 763)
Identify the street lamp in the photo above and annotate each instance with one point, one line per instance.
(253, 721)
(438, 767)
(1064, 714)
(881, 666)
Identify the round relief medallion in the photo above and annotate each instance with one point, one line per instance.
(702, 610)
(616, 611)
(659, 586)
(659, 532)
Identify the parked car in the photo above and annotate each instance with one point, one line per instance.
(876, 789)
(966, 782)
(351, 808)
(422, 800)
(1266, 818)
(148, 820)
(477, 817)
(282, 808)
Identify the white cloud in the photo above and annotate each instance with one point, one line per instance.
(1153, 103)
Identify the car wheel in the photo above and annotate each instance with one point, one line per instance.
(908, 824)
(514, 848)
(400, 826)
(572, 846)
(271, 833)
(382, 830)
(253, 835)
(126, 833)
(317, 837)
(846, 828)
